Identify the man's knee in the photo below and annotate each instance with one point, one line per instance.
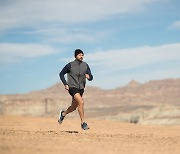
(74, 108)
(81, 102)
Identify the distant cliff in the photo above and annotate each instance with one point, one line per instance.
(126, 100)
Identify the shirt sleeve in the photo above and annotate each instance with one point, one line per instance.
(65, 70)
(89, 73)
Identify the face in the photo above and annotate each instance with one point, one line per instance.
(80, 57)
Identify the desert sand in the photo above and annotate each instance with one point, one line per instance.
(27, 135)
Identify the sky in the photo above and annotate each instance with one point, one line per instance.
(122, 40)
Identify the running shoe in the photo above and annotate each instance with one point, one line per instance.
(61, 117)
(84, 126)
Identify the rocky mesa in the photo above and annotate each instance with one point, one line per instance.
(154, 102)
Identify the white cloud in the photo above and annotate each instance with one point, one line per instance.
(134, 57)
(59, 21)
(19, 13)
(175, 25)
(113, 81)
(66, 35)
(13, 52)
(114, 68)
(127, 58)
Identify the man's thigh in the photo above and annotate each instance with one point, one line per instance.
(78, 98)
(74, 103)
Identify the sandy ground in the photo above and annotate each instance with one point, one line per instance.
(31, 135)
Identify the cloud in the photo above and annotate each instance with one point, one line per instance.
(175, 25)
(128, 58)
(113, 81)
(134, 57)
(66, 35)
(114, 68)
(60, 21)
(13, 52)
(19, 13)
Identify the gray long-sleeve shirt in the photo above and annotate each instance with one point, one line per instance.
(76, 71)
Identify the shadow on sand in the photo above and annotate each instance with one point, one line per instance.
(70, 132)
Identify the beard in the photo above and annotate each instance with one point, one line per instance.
(80, 59)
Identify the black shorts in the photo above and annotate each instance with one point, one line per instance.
(73, 91)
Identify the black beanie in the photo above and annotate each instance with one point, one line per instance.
(78, 51)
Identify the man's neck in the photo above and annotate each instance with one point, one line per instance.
(78, 60)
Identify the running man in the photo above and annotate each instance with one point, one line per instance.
(77, 73)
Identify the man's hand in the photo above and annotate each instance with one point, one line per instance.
(66, 87)
(87, 76)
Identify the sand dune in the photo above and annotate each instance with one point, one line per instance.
(19, 135)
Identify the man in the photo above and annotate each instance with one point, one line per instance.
(77, 73)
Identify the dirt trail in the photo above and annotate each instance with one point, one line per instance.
(19, 135)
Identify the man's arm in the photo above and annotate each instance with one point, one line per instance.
(90, 78)
(65, 70)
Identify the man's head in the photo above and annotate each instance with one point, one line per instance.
(78, 54)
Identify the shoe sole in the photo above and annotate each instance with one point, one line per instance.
(60, 122)
(86, 128)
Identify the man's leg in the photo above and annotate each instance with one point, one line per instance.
(71, 108)
(80, 102)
